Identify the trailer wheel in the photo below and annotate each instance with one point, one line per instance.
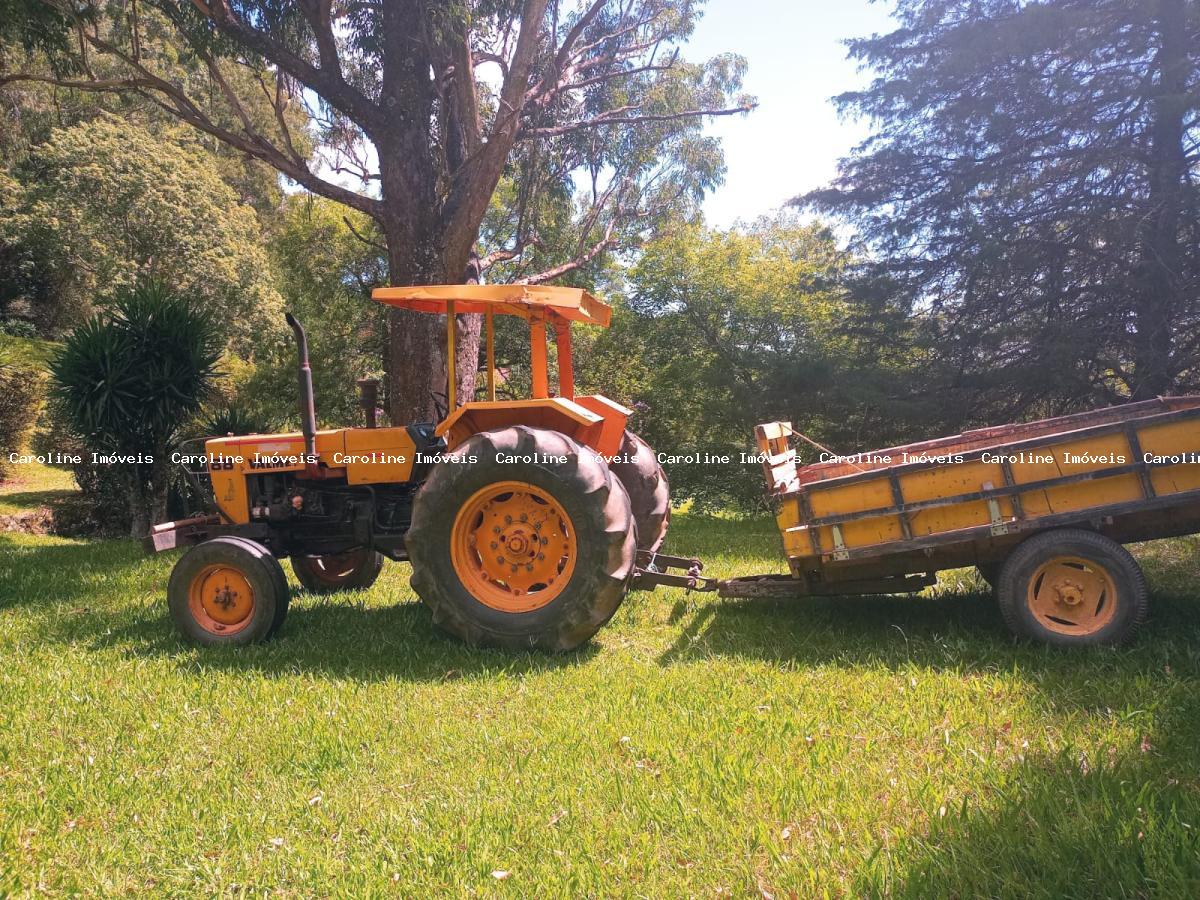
(347, 571)
(649, 493)
(534, 550)
(228, 590)
(1072, 588)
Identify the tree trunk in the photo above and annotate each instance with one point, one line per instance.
(415, 367)
(470, 326)
(140, 513)
(416, 354)
(1157, 273)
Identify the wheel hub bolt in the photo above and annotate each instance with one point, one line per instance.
(1069, 592)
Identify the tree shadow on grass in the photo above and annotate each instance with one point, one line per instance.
(1125, 825)
(61, 574)
(952, 632)
(30, 500)
(342, 638)
(73, 586)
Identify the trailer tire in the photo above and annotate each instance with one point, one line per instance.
(644, 480)
(1070, 587)
(554, 496)
(228, 591)
(354, 570)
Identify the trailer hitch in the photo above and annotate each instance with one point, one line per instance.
(654, 570)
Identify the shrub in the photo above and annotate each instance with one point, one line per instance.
(126, 384)
(18, 328)
(20, 399)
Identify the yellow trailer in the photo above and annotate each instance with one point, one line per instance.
(1041, 508)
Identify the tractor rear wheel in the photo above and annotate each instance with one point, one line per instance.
(522, 539)
(347, 571)
(1072, 588)
(649, 494)
(228, 590)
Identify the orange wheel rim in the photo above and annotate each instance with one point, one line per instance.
(513, 546)
(1070, 595)
(221, 600)
(338, 568)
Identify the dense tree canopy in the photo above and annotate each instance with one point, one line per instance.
(1032, 182)
(722, 330)
(105, 204)
(325, 275)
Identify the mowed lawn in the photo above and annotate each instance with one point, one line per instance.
(696, 748)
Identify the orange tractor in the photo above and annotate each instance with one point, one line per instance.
(525, 521)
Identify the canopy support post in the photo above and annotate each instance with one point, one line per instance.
(566, 369)
(491, 356)
(537, 356)
(451, 351)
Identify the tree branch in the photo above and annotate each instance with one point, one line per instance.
(375, 245)
(329, 83)
(579, 261)
(606, 119)
(155, 89)
(475, 180)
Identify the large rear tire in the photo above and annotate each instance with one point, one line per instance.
(348, 571)
(522, 539)
(1072, 588)
(228, 591)
(645, 481)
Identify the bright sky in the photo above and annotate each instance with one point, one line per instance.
(792, 142)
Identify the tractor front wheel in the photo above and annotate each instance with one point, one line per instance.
(522, 539)
(228, 590)
(347, 571)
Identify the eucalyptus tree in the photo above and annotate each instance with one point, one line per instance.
(420, 108)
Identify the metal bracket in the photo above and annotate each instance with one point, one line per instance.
(839, 545)
(653, 570)
(999, 526)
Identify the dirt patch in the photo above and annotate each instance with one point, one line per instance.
(32, 521)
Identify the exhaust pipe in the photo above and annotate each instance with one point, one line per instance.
(308, 410)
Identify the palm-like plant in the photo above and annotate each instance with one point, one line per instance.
(129, 380)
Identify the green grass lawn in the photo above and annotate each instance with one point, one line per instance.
(32, 486)
(696, 748)
(27, 351)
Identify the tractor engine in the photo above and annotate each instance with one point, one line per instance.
(325, 517)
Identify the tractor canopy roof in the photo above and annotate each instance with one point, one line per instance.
(525, 300)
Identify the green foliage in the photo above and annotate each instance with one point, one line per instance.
(125, 384)
(20, 400)
(127, 380)
(106, 204)
(18, 328)
(581, 195)
(723, 330)
(225, 420)
(325, 275)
